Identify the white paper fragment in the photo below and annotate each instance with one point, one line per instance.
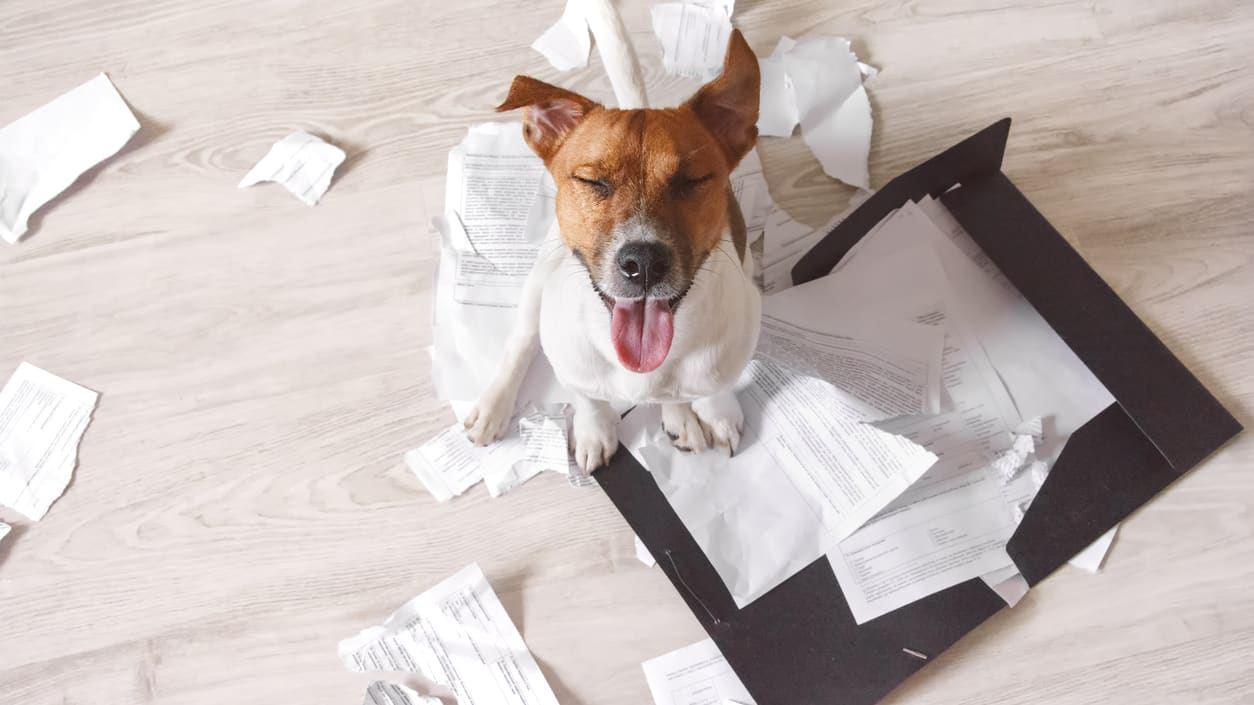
(1009, 585)
(694, 675)
(45, 151)
(777, 111)
(5, 529)
(384, 693)
(643, 555)
(42, 420)
(567, 43)
(1090, 559)
(544, 437)
(457, 635)
(447, 465)
(301, 162)
(693, 36)
(832, 106)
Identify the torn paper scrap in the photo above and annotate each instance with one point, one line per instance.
(42, 420)
(5, 529)
(384, 693)
(643, 555)
(1091, 558)
(777, 110)
(457, 635)
(1009, 585)
(544, 438)
(301, 162)
(45, 151)
(694, 675)
(832, 106)
(447, 465)
(693, 36)
(567, 43)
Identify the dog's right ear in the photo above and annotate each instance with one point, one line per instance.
(549, 113)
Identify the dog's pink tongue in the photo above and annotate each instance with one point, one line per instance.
(642, 330)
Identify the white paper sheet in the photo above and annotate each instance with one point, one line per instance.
(785, 242)
(694, 675)
(459, 636)
(301, 162)
(45, 151)
(643, 555)
(499, 212)
(567, 43)
(693, 36)
(447, 465)
(42, 420)
(545, 434)
(5, 529)
(384, 693)
(748, 183)
(832, 105)
(1090, 559)
(807, 473)
(1009, 585)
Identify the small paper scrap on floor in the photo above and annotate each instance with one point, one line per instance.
(817, 82)
(384, 693)
(47, 150)
(4, 530)
(459, 636)
(303, 163)
(693, 36)
(643, 555)
(567, 43)
(42, 419)
(694, 674)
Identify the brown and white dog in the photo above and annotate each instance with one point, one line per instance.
(650, 297)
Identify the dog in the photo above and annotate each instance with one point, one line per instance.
(649, 295)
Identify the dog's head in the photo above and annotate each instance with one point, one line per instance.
(642, 195)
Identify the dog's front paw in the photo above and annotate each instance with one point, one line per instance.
(684, 427)
(490, 417)
(595, 435)
(723, 418)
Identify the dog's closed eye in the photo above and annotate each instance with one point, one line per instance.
(682, 186)
(600, 187)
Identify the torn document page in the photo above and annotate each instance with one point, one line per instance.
(643, 555)
(804, 476)
(694, 675)
(499, 212)
(1090, 559)
(301, 162)
(748, 183)
(693, 36)
(456, 635)
(45, 151)
(384, 693)
(884, 368)
(567, 43)
(42, 420)
(832, 106)
(447, 465)
(785, 241)
(777, 112)
(546, 445)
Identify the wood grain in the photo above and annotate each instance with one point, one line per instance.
(240, 502)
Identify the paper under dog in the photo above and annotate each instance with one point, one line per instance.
(647, 294)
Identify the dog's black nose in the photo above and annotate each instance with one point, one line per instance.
(643, 264)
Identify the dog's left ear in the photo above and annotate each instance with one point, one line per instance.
(728, 105)
(549, 113)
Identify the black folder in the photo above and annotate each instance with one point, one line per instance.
(798, 644)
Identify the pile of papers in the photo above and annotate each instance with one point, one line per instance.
(917, 356)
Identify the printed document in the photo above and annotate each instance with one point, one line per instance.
(42, 420)
(694, 675)
(459, 636)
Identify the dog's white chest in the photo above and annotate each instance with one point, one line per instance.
(716, 331)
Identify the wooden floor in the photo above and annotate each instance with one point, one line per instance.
(240, 503)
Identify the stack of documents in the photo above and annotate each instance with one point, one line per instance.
(901, 414)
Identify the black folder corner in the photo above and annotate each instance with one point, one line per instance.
(798, 644)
